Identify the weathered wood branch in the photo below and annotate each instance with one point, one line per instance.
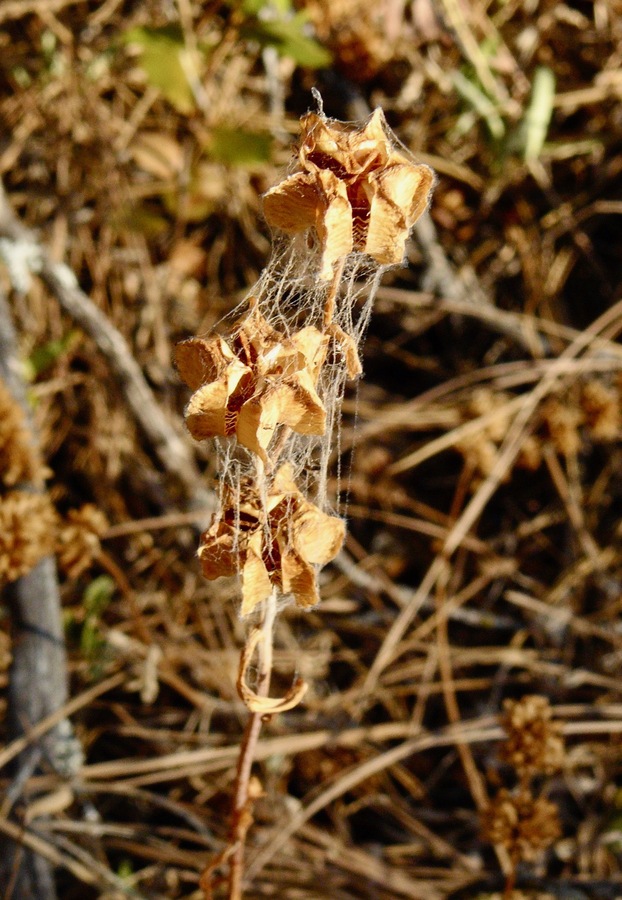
(38, 672)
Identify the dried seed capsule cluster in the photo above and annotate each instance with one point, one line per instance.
(269, 390)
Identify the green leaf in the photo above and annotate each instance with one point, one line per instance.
(288, 39)
(42, 358)
(539, 112)
(98, 595)
(166, 62)
(253, 7)
(234, 146)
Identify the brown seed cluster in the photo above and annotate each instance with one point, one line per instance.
(29, 525)
(525, 825)
(19, 461)
(78, 540)
(534, 744)
(354, 188)
(522, 820)
(270, 388)
(590, 411)
(27, 517)
(27, 530)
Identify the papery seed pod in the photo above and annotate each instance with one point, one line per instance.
(354, 188)
(263, 380)
(273, 542)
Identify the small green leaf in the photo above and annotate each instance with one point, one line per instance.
(98, 595)
(42, 358)
(538, 114)
(288, 39)
(125, 869)
(165, 60)
(253, 7)
(234, 146)
(92, 643)
(470, 91)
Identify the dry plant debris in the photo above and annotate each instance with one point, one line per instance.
(522, 820)
(483, 557)
(355, 201)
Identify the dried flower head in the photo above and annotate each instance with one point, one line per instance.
(354, 188)
(19, 460)
(78, 541)
(525, 825)
(534, 743)
(275, 542)
(563, 422)
(27, 531)
(601, 405)
(260, 380)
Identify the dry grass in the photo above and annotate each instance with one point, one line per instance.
(484, 555)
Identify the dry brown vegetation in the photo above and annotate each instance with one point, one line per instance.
(483, 560)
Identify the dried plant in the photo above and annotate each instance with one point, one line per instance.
(522, 821)
(534, 744)
(78, 540)
(269, 391)
(27, 517)
(525, 825)
(27, 532)
(19, 461)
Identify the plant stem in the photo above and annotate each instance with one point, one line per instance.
(331, 297)
(244, 799)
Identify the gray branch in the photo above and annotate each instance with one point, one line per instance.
(38, 673)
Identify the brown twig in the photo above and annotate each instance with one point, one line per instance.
(247, 790)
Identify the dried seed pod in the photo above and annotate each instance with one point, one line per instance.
(525, 825)
(354, 188)
(277, 543)
(264, 379)
(534, 743)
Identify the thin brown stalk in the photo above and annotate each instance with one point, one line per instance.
(246, 791)
(331, 296)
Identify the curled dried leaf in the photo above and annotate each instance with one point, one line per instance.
(267, 706)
